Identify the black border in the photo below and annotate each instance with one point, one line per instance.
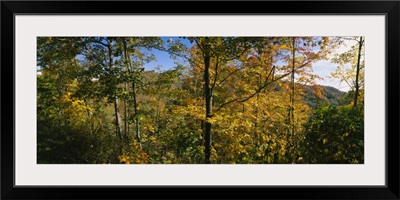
(10, 8)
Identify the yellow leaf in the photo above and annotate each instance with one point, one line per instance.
(324, 141)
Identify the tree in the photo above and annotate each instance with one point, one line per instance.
(101, 51)
(226, 100)
(216, 51)
(335, 135)
(70, 127)
(117, 61)
(216, 54)
(354, 74)
(304, 52)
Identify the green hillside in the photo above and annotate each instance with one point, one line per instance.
(331, 96)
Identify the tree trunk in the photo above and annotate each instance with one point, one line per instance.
(127, 67)
(126, 114)
(118, 120)
(292, 90)
(135, 107)
(357, 87)
(135, 104)
(208, 98)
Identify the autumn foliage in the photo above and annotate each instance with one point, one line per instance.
(228, 100)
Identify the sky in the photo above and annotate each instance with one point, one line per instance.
(321, 68)
(164, 61)
(324, 68)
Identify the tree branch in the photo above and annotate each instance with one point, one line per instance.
(224, 79)
(198, 44)
(241, 100)
(100, 42)
(216, 74)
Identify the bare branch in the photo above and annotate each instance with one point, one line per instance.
(241, 100)
(270, 72)
(100, 42)
(349, 39)
(230, 74)
(237, 55)
(177, 54)
(198, 44)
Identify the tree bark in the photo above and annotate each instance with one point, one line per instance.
(357, 87)
(118, 119)
(292, 90)
(135, 107)
(126, 114)
(208, 98)
(135, 104)
(126, 105)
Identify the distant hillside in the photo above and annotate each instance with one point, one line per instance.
(331, 96)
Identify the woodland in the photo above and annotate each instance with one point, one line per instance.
(226, 100)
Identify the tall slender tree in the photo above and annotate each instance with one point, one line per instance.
(350, 67)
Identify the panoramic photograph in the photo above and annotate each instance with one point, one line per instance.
(200, 100)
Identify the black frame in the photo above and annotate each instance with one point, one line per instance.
(10, 8)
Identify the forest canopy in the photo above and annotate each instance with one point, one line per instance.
(225, 100)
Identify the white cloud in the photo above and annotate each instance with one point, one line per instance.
(324, 68)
